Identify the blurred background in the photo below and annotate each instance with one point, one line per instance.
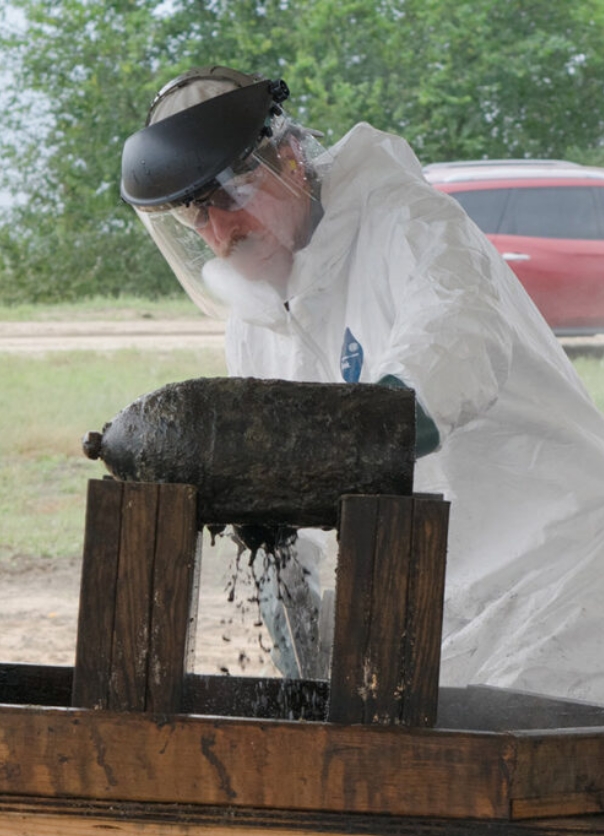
(460, 80)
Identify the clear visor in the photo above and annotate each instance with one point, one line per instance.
(234, 245)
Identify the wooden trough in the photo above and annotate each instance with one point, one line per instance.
(129, 742)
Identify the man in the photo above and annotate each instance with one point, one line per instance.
(347, 266)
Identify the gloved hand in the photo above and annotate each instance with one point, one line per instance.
(427, 437)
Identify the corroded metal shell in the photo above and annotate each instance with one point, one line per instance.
(269, 451)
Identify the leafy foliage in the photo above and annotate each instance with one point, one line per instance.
(459, 79)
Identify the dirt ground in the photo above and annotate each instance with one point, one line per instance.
(39, 601)
(39, 598)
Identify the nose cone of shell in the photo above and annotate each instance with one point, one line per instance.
(92, 444)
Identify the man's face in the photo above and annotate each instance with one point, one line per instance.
(258, 219)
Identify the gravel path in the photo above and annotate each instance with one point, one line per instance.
(94, 335)
(167, 334)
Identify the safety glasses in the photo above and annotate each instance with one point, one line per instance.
(229, 196)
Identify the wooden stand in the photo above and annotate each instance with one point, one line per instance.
(129, 741)
(135, 639)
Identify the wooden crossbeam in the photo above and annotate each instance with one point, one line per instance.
(310, 767)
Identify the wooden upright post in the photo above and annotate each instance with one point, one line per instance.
(138, 599)
(388, 610)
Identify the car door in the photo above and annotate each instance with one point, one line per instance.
(553, 239)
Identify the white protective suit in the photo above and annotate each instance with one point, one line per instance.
(405, 284)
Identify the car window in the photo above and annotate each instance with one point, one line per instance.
(552, 212)
(484, 206)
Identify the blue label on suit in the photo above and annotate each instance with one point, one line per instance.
(351, 358)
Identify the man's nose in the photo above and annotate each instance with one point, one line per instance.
(225, 229)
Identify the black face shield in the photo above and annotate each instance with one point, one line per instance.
(169, 162)
(227, 187)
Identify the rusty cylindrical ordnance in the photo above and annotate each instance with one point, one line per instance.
(268, 451)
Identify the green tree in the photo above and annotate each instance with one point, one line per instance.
(81, 68)
(504, 79)
(459, 79)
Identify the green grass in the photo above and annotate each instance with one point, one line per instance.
(48, 403)
(591, 372)
(123, 307)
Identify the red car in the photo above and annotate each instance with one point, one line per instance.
(546, 218)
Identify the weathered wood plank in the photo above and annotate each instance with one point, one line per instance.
(425, 602)
(25, 817)
(388, 610)
(385, 662)
(214, 695)
(243, 763)
(253, 697)
(24, 684)
(130, 651)
(139, 596)
(174, 600)
(97, 594)
(476, 708)
(563, 804)
(359, 519)
(558, 774)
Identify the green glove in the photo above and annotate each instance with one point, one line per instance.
(427, 438)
